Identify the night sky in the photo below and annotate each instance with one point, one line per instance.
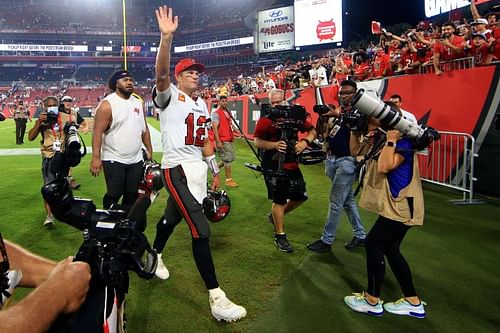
(387, 12)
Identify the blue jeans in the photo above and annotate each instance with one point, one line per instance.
(341, 172)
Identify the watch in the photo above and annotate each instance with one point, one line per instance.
(390, 144)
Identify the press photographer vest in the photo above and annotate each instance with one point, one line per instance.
(407, 208)
(55, 132)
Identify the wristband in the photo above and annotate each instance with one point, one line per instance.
(212, 165)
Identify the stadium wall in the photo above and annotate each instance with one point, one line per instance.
(459, 101)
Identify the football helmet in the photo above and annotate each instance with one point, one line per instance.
(152, 175)
(216, 205)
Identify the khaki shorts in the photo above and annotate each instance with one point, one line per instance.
(227, 152)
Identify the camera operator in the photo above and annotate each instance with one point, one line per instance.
(59, 288)
(287, 190)
(340, 167)
(50, 125)
(393, 190)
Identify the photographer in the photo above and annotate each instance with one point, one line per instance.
(340, 167)
(50, 125)
(393, 190)
(285, 187)
(59, 288)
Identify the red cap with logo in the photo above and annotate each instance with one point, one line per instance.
(186, 63)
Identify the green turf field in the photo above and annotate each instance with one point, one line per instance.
(454, 258)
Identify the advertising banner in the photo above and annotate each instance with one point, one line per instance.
(275, 29)
(318, 22)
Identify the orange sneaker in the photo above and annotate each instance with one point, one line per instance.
(231, 183)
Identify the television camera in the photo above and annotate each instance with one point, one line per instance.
(113, 240)
(288, 119)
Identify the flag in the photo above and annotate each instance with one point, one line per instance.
(376, 28)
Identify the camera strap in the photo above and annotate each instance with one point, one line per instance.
(361, 167)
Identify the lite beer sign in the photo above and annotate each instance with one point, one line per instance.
(326, 30)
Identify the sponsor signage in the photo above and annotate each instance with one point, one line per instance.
(43, 48)
(214, 45)
(275, 29)
(318, 22)
(436, 7)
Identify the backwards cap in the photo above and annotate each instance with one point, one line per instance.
(117, 76)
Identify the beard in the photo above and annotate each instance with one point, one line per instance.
(125, 92)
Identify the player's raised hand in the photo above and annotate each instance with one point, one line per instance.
(167, 22)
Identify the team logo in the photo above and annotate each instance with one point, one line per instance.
(136, 110)
(326, 30)
(182, 98)
(276, 13)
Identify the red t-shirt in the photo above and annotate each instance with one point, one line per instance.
(380, 64)
(407, 58)
(479, 53)
(447, 53)
(266, 130)
(363, 71)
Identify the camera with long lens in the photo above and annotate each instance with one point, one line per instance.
(71, 155)
(391, 118)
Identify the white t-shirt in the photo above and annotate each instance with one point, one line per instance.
(122, 142)
(183, 124)
(318, 76)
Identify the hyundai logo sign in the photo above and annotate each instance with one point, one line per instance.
(276, 13)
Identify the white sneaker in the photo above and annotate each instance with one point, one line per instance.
(222, 307)
(13, 279)
(49, 221)
(161, 270)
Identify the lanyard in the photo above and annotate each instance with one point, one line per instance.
(59, 122)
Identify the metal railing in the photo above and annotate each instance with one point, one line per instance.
(449, 162)
(449, 65)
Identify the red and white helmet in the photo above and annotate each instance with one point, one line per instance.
(152, 175)
(216, 205)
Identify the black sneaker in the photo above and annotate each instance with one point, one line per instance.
(282, 243)
(355, 242)
(319, 246)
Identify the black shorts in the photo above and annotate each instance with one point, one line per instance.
(289, 186)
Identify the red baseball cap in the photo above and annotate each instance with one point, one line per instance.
(186, 63)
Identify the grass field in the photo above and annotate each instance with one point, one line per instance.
(454, 258)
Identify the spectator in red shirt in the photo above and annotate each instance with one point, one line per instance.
(381, 64)
(361, 68)
(448, 47)
(480, 50)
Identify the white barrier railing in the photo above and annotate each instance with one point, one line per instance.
(449, 162)
(449, 65)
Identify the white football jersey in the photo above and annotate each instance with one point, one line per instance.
(183, 124)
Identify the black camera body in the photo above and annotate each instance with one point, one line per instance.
(355, 120)
(288, 119)
(284, 113)
(321, 109)
(52, 117)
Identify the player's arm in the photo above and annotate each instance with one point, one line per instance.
(209, 157)
(167, 24)
(102, 121)
(146, 139)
